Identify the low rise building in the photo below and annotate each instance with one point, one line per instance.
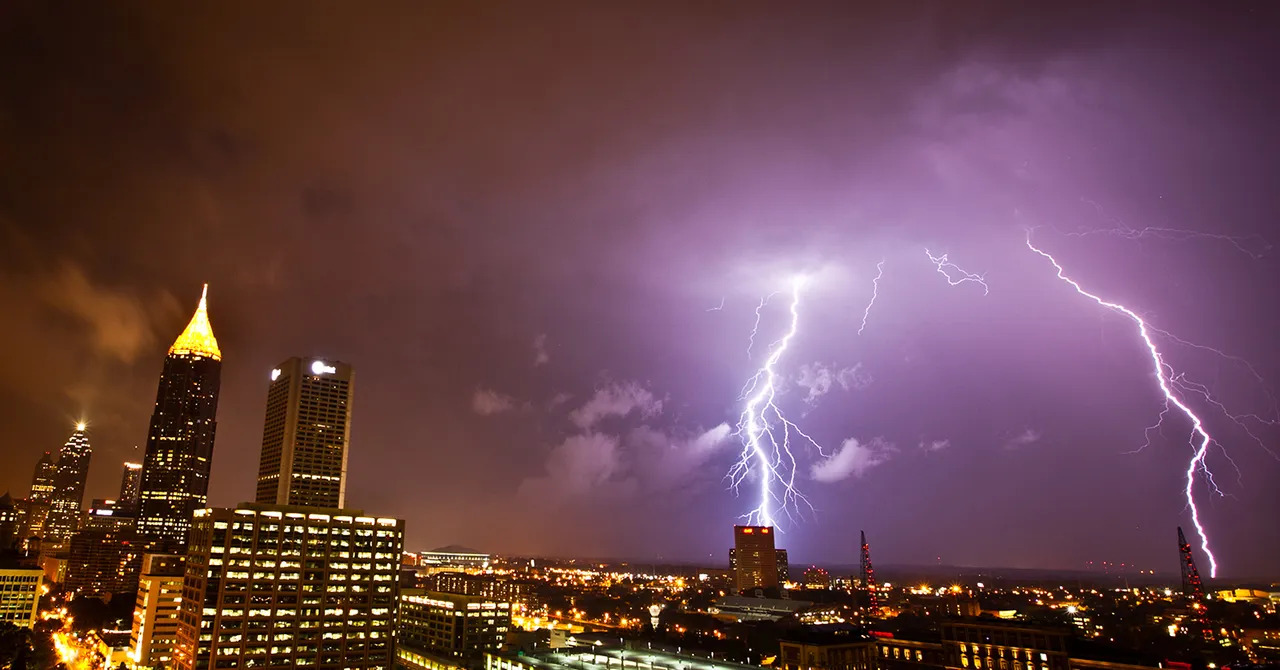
(440, 628)
(155, 614)
(827, 647)
(20, 590)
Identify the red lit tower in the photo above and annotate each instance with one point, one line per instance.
(869, 578)
(1192, 587)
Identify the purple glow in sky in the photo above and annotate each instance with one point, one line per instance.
(541, 233)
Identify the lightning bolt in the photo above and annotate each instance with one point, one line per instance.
(1167, 380)
(1254, 246)
(767, 433)
(942, 263)
(875, 291)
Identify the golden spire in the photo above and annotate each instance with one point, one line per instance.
(197, 339)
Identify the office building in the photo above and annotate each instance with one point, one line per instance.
(449, 628)
(454, 556)
(494, 587)
(68, 489)
(994, 645)
(155, 614)
(305, 435)
(175, 466)
(105, 555)
(10, 524)
(827, 647)
(784, 566)
(130, 490)
(754, 559)
(817, 578)
(44, 479)
(19, 595)
(273, 586)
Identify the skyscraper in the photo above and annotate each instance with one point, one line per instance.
(43, 481)
(305, 435)
(68, 489)
(754, 557)
(175, 468)
(130, 489)
(41, 497)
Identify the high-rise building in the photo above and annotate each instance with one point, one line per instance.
(130, 489)
(155, 615)
(273, 586)
(175, 467)
(449, 629)
(45, 479)
(10, 524)
(755, 560)
(105, 555)
(305, 435)
(19, 595)
(68, 489)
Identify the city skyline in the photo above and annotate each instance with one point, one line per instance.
(549, 281)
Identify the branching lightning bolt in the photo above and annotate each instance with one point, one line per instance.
(942, 263)
(1254, 245)
(1167, 380)
(766, 433)
(875, 291)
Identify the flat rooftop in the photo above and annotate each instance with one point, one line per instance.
(582, 656)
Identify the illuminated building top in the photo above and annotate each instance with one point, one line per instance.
(197, 339)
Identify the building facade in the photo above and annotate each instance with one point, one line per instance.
(130, 489)
(105, 555)
(272, 586)
(175, 468)
(20, 595)
(68, 489)
(155, 614)
(989, 646)
(754, 558)
(451, 628)
(44, 480)
(305, 434)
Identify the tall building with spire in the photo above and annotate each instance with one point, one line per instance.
(68, 489)
(305, 434)
(175, 467)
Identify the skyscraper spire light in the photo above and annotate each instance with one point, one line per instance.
(197, 339)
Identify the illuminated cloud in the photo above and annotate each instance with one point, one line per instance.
(935, 445)
(616, 399)
(1028, 436)
(540, 354)
(487, 402)
(575, 467)
(852, 458)
(818, 379)
(119, 323)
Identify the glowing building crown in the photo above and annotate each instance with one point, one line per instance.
(197, 339)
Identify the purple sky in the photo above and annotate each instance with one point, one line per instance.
(513, 221)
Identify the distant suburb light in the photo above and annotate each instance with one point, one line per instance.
(319, 368)
(275, 374)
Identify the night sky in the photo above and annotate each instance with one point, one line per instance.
(516, 222)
